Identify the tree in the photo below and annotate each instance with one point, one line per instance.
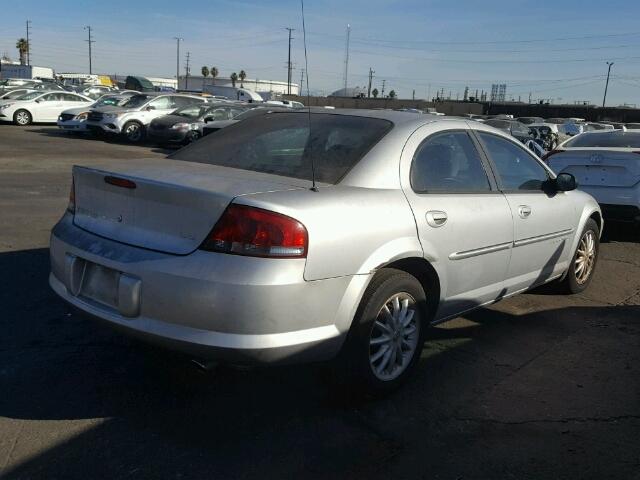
(392, 94)
(234, 79)
(242, 75)
(213, 72)
(23, 47)
(374, 92)
(205, 74)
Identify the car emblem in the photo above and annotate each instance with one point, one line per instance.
(596, 158)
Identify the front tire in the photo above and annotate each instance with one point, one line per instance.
(133, 132)
(22, 118)
(583, 262)
(191, 137)
(387, 336)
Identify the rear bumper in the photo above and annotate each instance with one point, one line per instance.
(222, 307)
(616, 201)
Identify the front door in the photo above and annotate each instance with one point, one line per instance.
(544, 222)
(49, 108)
(464, 223)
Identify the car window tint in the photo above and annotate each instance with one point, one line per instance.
(280, 143)
(448, 162)
(516, 168)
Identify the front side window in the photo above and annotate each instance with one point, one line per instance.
(161, 103)
(136, 101)
(448, 162)
(515, 167)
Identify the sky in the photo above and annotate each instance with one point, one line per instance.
(553, 50)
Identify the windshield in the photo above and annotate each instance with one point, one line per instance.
(29, 96)
(136, 101)
(616, 139)
(279, 143)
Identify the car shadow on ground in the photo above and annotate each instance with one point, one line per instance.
(159, 416)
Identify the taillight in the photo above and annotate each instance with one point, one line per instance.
(71, 207)
(548, 154)
(255, 232)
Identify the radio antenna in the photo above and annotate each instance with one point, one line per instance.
(306, 71)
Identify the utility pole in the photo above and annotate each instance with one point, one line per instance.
(28, 44)
(177, 39)
(606, 87)
(413, 96)
(187, 70)
(90, 41)
(529, 98)
(346, 58)
(371, 72)
(382, 94)
(301, 81)
(289, 62)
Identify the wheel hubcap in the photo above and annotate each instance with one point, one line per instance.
(585, 257)
(133, 132)
(22, 118)
(394, 337)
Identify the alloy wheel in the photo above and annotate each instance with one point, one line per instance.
(133, 132)
(585, 257)
(394, 337)
(22, 118)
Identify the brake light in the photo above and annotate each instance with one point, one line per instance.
(255, 232)
(548, 154)
(71, 207)
(119, 182)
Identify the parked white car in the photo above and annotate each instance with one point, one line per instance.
(43, 107)
(13, 94)
(75, 119)
(132, 118)
(606, 165)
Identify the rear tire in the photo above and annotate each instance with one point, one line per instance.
(583, 262)
(385, 341)
(133, 132)
(22, 118)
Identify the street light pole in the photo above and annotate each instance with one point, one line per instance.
(606, 87)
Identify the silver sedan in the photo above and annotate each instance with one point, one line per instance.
(291, 237)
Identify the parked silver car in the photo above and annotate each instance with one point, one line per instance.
(226, 250)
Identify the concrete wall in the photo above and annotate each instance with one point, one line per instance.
(448, 108)
(591, 113)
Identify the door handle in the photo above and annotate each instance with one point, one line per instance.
(524, 211)
(436, 218)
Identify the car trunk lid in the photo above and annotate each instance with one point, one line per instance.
(163, 205)
(599, 167)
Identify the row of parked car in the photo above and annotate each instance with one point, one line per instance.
(162, 117)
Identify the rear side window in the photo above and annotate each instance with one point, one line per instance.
(515, 167)
(617, 139)
(448, 162)
(282, 144)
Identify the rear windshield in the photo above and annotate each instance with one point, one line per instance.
(616, 139)
(279, 143)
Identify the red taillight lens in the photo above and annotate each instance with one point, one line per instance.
(244, 230)
(548, 154)
(71, 207)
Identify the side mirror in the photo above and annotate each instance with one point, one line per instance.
(565, 182)
(38, 100)
(149, 108)
(208, 119)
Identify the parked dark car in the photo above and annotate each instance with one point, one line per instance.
(513, 128)
(530, 120)
(214, 126)
(185, 124)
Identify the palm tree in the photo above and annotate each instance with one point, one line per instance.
(234, 79)
(374, 92)
(242, 75)
(23, 47)
(205, 74)
(214, 73)
(392, 94)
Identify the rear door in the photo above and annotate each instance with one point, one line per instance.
(544, 223)
(464, 223)
(49, 107)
